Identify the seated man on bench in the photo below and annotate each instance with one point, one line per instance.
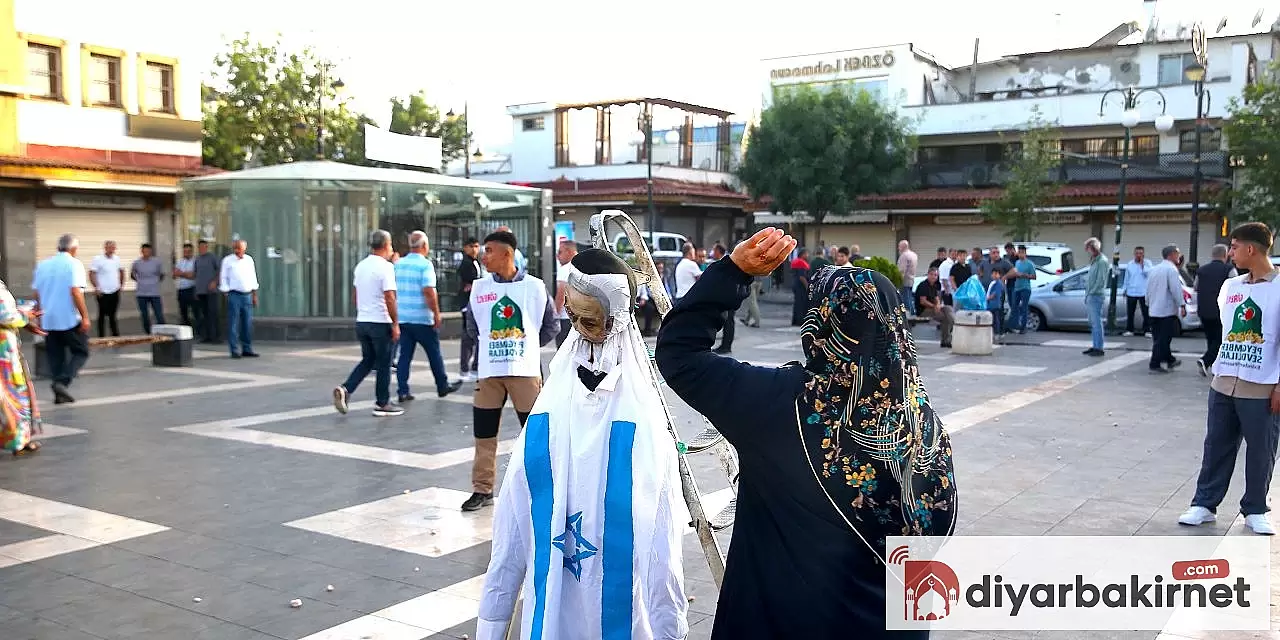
(929, 304)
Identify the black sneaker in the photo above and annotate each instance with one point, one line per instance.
(1175, 363)
(60, 394)
(453, 386)
(478, 501)
(251, 354)
(1204, 368)
(408, 397)
(388, 410)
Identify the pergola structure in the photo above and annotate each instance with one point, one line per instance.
(604, 143)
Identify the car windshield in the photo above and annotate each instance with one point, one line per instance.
(1039, 261)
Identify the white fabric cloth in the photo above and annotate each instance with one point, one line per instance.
(562, 275)
(1250, 330)
(1163, 290)
(508, 318)
(687, 273)
(106, 271)
(238, 274)
(589, 520)
(372, 278)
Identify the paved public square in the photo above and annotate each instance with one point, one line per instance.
(197, 503)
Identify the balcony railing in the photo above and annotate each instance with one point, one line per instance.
(1165, 166)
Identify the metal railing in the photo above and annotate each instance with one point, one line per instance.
(1165, 166)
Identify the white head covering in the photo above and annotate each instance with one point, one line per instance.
(613, 290)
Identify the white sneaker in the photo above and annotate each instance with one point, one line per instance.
(1196, 516)
(1260, 524)
(1128, 334)
(467, 377)
(340, 399)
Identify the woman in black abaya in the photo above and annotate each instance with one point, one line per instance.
(835, 454)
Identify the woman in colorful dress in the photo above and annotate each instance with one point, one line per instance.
(19, 412)
(836, 454)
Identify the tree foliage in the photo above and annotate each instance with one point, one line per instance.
(818, 152)
(1253, 129)
(1031, 183)
(263, 107)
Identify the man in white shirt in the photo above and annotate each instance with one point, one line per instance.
(184, 273)
(564, 257)
(687, 272)
(1165, 302)
(106, 274)
(239, 281)
(377, 326)
(1136, 272)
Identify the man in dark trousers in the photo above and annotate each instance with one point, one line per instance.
(207, 269)
(468, 273)
(1209, 279)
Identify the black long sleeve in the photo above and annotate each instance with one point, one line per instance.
(715, 386)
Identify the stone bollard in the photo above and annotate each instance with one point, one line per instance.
(972, 334)
(172, 353)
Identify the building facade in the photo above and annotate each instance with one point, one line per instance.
(593, 156)
(97, 126)
(968, 120)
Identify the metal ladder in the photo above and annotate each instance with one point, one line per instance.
(709, 439)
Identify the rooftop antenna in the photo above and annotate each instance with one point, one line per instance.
(1221, 25)
(1153, 30)
(1257, 19)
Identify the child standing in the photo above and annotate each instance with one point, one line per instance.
(995, 301)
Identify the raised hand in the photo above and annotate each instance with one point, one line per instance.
(760, 254)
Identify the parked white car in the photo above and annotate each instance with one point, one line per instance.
(662, 244)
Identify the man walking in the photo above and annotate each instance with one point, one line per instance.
(418, 307)
(148, 271)
(800, 287)
(468, 273)
(184, 272)
(239, 280)
(512, 317)
(564, 258)
(907, 261)
(1244, 402)
(1136, 274)
(206, 290)
(1165, 302)
(374, 281)
(1209, 280)
(107, 276)
(59, 292)
(1099, 270)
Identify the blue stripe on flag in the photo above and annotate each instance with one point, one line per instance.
(618, 544)
(537, 470)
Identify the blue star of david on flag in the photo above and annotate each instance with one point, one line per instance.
(574, 547)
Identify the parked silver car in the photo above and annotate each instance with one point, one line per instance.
(1060, 305)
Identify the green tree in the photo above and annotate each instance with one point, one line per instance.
(414, 116)
(1253, 128)
(264, 103)
(818, 152)
(1031, 183)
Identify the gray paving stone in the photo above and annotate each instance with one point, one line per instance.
(35, 628)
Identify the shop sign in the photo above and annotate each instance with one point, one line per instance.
(94, 201)
(838, 65)
(1063, 218)
(959, 220)
(1168, 216)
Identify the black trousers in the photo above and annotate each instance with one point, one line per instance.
(800, 307)
(190, 308)
(1212, 339)
(650, 312)
(1133, 304)
(108, 306)
(726, 339)
(67, 351)
(207, 326)
(1162, 332)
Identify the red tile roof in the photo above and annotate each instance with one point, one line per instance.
(637, 187)
(98, 160)
(1069, 192)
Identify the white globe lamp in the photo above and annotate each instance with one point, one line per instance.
(1164, 123)
(1130, 118)
(671, 137)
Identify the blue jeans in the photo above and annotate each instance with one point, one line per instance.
(1093, 304)
(240, 322)
(412, 335)
(1021, 308)
(908, 299)
(375, 355)
(154, 303)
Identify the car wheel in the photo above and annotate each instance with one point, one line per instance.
(1035, 321)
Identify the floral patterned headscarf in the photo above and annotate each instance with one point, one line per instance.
(873, 441)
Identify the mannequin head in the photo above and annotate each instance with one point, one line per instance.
(590, 312)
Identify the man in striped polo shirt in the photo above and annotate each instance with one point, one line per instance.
(419, 317)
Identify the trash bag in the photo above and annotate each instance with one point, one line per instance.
(971, 296)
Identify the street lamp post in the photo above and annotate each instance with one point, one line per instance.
(1129, 119)
(1195, 73)
(337, 86)
(466, 139)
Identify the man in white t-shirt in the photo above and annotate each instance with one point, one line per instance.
(687, 272)
(377, 326)
(564, 256)
(105, 274)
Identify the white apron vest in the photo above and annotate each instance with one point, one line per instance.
(509, 317)
(1250, 331)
